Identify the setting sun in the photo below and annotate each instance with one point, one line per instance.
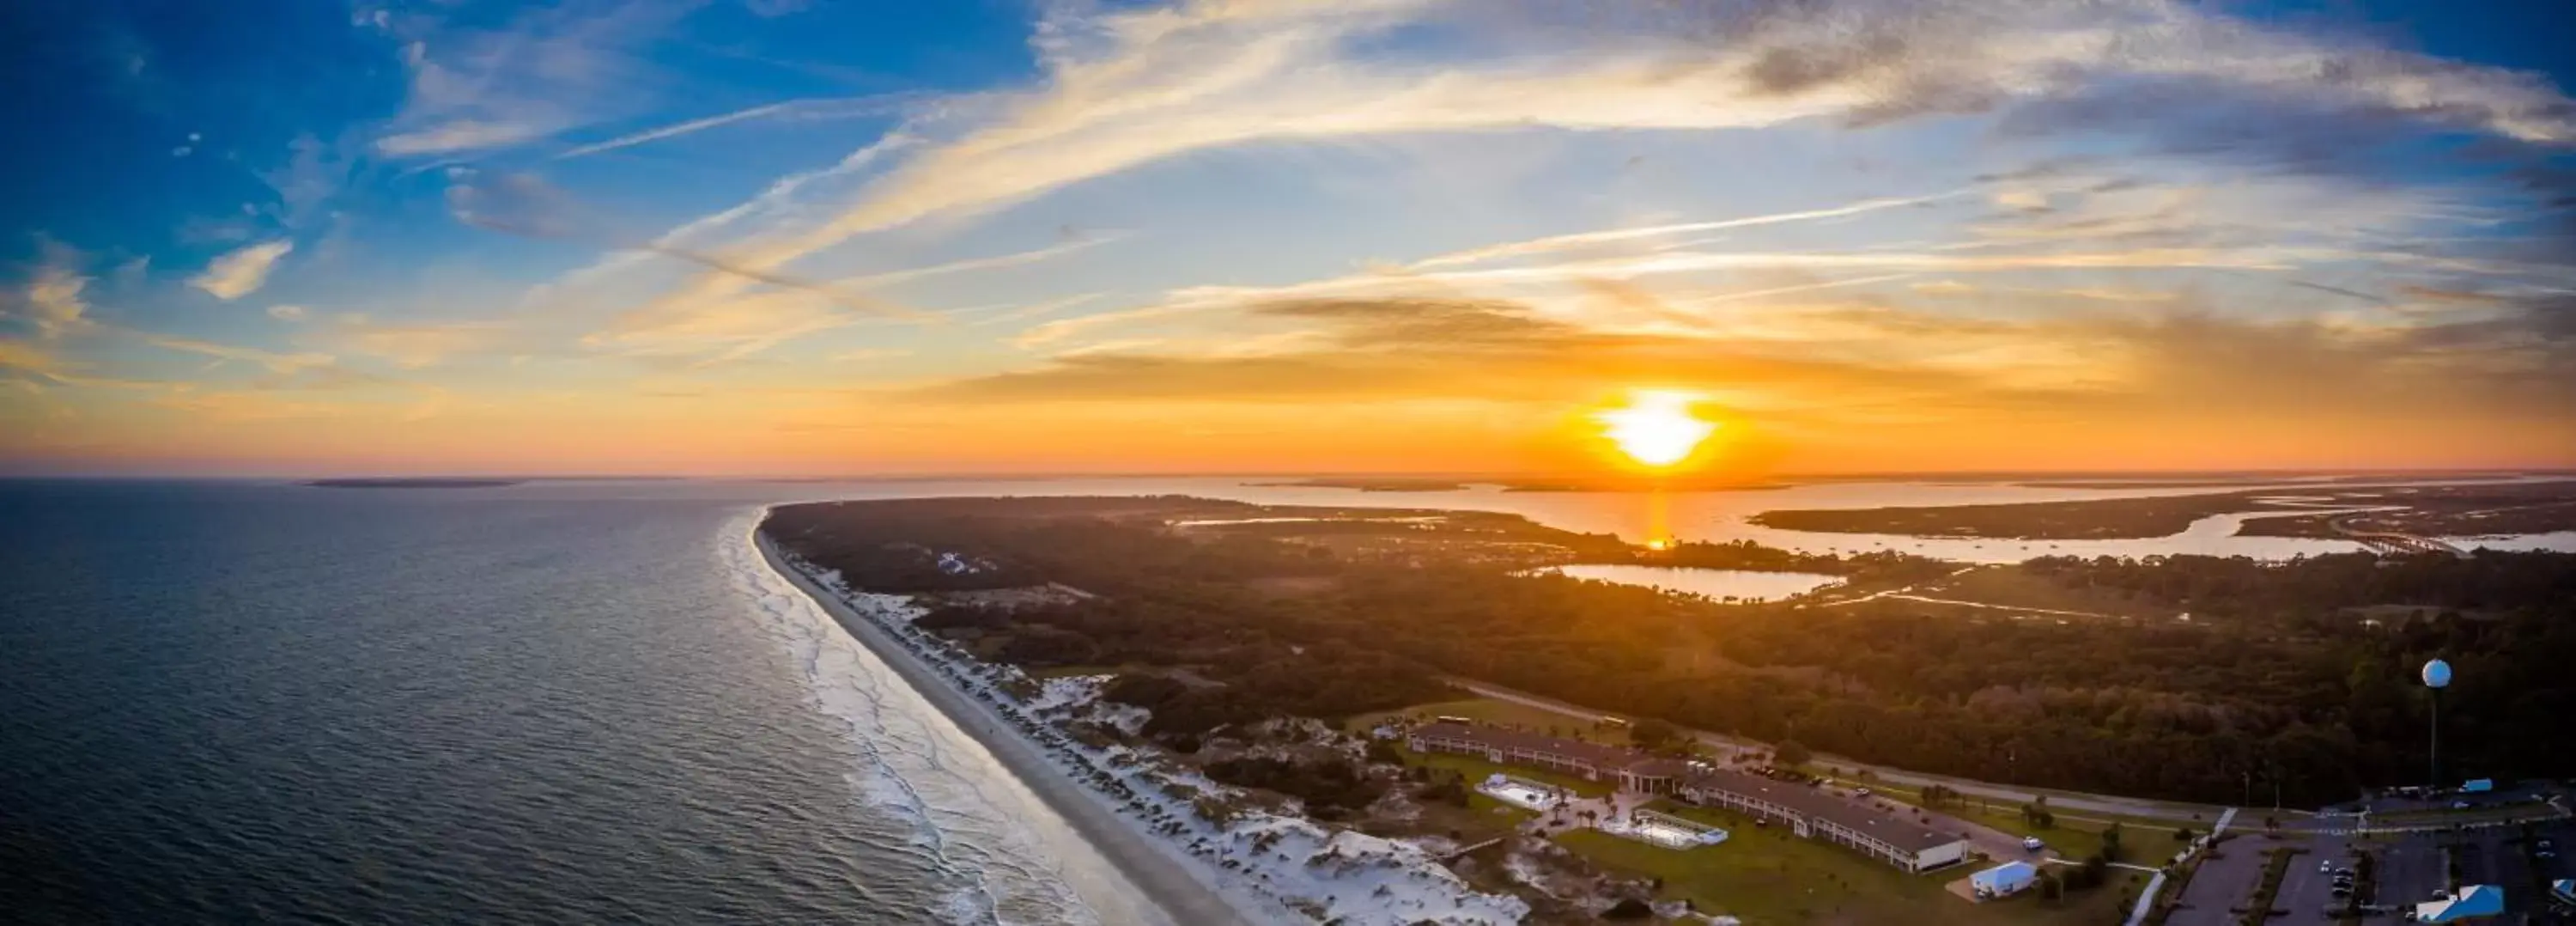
(1656, 428)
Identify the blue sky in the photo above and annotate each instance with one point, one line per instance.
(795, 237)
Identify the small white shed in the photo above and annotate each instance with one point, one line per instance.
(2003, 880)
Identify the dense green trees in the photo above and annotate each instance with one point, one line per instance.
(1653, 733)
(1791, 754)
(2271, 683)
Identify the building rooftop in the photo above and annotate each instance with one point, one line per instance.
(2006, 873)
(1889, 827)
(2473, 901)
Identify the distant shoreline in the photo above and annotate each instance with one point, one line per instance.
(413, 483)
(1146, 862)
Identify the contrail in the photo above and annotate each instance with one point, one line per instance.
(522, 205)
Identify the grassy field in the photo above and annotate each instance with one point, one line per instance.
(1767, 875)
(2444, 816)
(1489, 710)
(1475, 770)
(2014, 587)
(2075, 835)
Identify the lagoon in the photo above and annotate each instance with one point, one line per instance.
(1740, 584)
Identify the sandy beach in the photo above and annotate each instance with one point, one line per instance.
(1149, 863)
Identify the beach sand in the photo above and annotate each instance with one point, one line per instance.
(1150, 863)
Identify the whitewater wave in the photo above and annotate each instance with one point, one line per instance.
(910, 764)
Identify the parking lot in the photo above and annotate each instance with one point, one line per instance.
(2415, 866)
(2306, 891)
(2224, 880)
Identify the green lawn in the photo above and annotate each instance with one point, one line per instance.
(1489, 710)
(2149, 843)
(2013, 586)
(1476, 770)
(2077, 835)
(2444, 816)
(1767, 875)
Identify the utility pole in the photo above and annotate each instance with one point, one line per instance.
(2433, 776)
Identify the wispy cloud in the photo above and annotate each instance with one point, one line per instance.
(242, 272)
(274, 362)
(1131, 88)
(461, 135)
(976, 264)
(796, 108)
(21, 355)
(1591, 239)
(673, 130)
(1003, 315)
(476, 88)
(417, 346)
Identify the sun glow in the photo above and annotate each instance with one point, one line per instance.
(1656, 428)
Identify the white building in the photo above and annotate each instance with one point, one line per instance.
(1883, 835)
(1812, 814)
(2003, 880)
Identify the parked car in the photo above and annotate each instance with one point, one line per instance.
(2325, 865)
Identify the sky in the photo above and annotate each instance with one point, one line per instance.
(807, 238)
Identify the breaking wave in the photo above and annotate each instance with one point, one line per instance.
(909, 763)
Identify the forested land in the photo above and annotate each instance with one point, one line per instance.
(2274, 678)
(2456, 510)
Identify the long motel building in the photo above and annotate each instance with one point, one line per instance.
(1808, 812)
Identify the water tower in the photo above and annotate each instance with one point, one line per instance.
(2437, 676)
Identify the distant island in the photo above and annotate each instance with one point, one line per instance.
(1526, 484)
(411, 483)
(1372, 485)
(2328, 510)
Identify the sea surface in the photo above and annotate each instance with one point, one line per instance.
(563, 702)
(549, 703)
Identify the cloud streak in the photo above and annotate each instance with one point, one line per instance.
(674, 130)
(242, 272)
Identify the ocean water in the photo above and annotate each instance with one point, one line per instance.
(560, 702)
(548, 703)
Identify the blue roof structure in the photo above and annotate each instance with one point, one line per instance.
(2473, 901)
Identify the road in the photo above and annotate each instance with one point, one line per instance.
(2199, 814)
(1893, 592)
(2388, 541)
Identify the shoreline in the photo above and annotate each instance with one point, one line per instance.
(1166, 879)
